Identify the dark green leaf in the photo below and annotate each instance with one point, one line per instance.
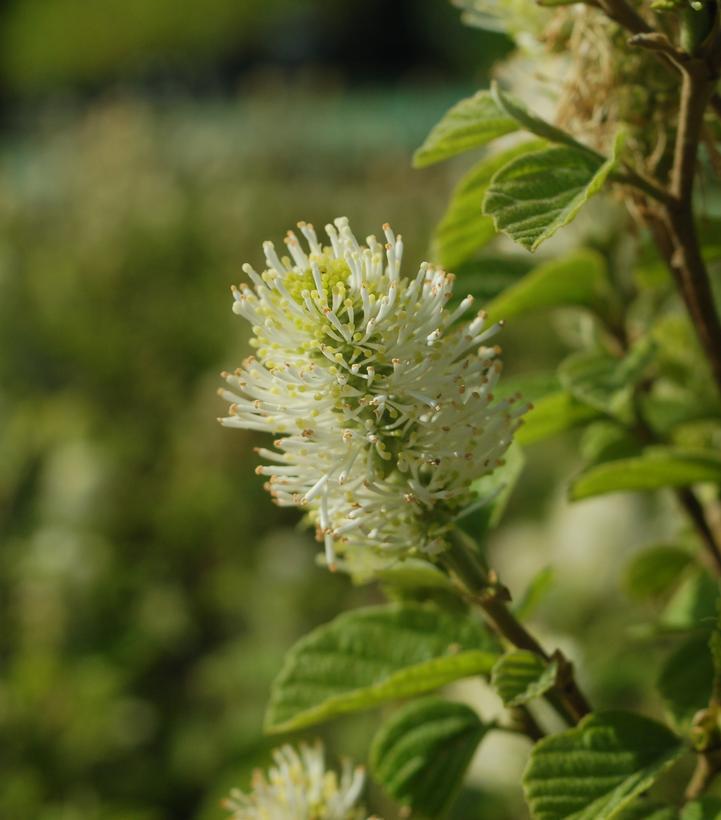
(657, 467)
(464, 227)
(656, 572)
(686, 679)
(552, 415)
(520, 676)
(421, 754)
(471, 123)
(372, 655)
(578, 279)
(599, 768)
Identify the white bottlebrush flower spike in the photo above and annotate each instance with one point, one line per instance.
(384, 408)
(299, 787)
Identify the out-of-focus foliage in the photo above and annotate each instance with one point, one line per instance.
(148, 588)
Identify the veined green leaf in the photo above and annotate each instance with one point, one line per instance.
(520, 676)
(657, 467)
(538, 193)
(372, 655)
(594, 771)
(464, 227)
(421, 754)
(553, 414)
(578, 279)
(686, 679)
(471, 123)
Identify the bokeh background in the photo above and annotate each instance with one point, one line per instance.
(148, 588)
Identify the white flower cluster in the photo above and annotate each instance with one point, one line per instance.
(298, 787)
(384, 407)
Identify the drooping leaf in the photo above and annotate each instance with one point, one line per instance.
(520, 676)
(372, 655)
(706, 808)
(656, 572)
(577, 279)
(421, 754)
(464, 227)
(471, 123)
(553, 414)
(531, 122)
(686, 679)
(538, 193)
(597, 769)
(657, 467)
(534, 593)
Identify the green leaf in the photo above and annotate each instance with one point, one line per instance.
(412, 572)
(707, 808)
(656, 572)
(693, 604)
(644, 809)
(579, 279)
(531, 386)
(537, 194)
(421, 754)
(514, 108)
(498, 486)
(489, 274)
(604, 381)
(594, 771)
(534, 593)
(373, 655)
(607, 441)
(553, 414)
(464, 227)
(657, 467)
(520, 676)
(686, 679)
(471, 123)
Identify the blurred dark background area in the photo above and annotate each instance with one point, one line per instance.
(148, 587)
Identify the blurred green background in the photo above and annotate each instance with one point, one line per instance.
(148, 588)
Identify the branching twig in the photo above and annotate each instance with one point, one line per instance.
(482, 590)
